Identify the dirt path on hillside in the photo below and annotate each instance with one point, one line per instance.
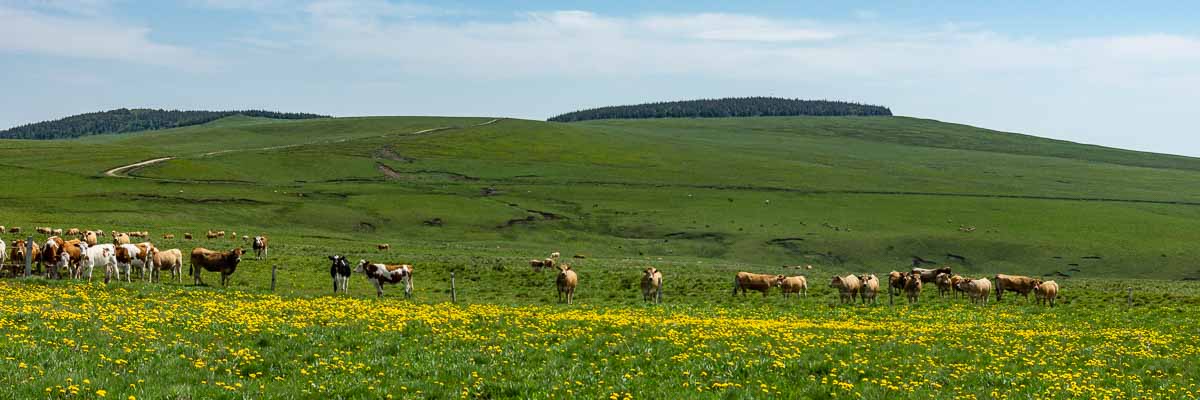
(124, 170)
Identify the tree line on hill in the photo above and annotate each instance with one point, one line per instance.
(727, 107)
(131, 120)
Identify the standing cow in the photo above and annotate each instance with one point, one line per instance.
(912, 287)
(225, 262)
(651, 285)
(1046, 292)
(1014, 283)
(870, 288)
(340, 271)
(379, 274)
(167, 260)
(745, 281)
(977, 289)
(848, 287)
(566, 281)
(792, 284)
(260, 247)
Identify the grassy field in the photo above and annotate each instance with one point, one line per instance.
(699, 199)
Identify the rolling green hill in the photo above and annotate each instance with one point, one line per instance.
(841, 193)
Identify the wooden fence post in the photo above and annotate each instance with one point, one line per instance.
(273, 268)
(890, 294)
(28, 256)
(453, 290)
(1130, 290)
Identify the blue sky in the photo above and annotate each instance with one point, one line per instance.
(1110, 73)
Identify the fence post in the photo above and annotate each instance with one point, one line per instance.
(273, 268)
(890, 294)
(1130, 290)
(28, 256)
(453, 290)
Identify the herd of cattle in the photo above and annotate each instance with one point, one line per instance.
(80, 256)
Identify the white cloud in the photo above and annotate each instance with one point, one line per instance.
(734, 27)
(88, 37)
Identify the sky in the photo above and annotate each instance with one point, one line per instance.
(1120, 74)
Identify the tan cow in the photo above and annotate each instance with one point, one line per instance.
(90, 238)
(169, 236)
(120, 239)
(384, 246)
(954, 280)
(912, 287)
(944, 284)
(212, 235)
(73, 232)
(17, 254)
(895, 282)
(45, 230)
(1046, 292)
(978, 289)
(167, 260)
(566, 282)
(792, 284)
(848, 287)
(870, 288)
(651, 285)
(750, 281)
(1014, 283)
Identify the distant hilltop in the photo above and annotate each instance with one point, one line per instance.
(124, 120)
(727, 107)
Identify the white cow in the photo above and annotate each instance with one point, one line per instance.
(101, 255)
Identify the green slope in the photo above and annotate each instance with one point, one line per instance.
(852, 194)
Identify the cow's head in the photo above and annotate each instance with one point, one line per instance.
(237, 254)
(649, 271)
(779, 279)
(963, 283)
(564, 267)
(362, 266)
(339, 262)
(836, 282)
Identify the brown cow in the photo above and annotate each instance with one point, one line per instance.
(944, 284)
(847, 286)
(566, 281)
(18, 254)
(1046, 292)
(895, 282)
(929, 275)
(15, 229)
(187, 236)
(383, 246)
(651, 285)
(51, 251)
(1014, 283)
(870, 288)
(74, 248)
(168, 236)
(224, 262)
(792, 284)
(751, 281)
(912, 287)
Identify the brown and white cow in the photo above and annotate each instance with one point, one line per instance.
(750, 281)
(168, 236)
(792, 284)
(978, 289)
(379, 274)
(870, 288)
(51, 252)
(651, 285)
(1046, 293)
(260, 247)
(1014, 283)
(848, 287)
(225, 262)
(912, 287)
(566, 282)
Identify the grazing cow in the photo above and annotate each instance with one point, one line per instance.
(187, 236)
(978, 289)
(848, 287)
(1014, 283)
(870, 288)
(56, 231)
(651, 285)
(73, 232)
(221, 234)
(120, 238)
(944, 283)
(383, 246)
(212, 235)
(895, 282)
(101, 255)
(15, 229)
(792, 284)
(233, 236)
(912, 287)
(750, 281)
(225, 262)
(167, 260)
(90, 238)
(169, 236)
(260, 247)
(566, 281)
(340, 272)
(929, 275)
(379, 274)
(99, 232)
(43, 230)
(538, 265)
(555, 255)
(1046, 292)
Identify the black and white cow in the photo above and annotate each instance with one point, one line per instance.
(340, 272)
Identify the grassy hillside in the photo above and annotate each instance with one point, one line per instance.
(842, 193)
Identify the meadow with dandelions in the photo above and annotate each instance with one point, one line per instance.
(81, 341)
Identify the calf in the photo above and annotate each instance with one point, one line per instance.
(848, 287)
(651, 285)
(912, 287)
(566, 281)
(792, 284)
(745, 281)
(167, 260)
(978, 289)
(1046, 292)
(379, 274)
(225, 262)
(870, 288)
(1014, 283)
(340, 272)
(260, 247)
(212, 235)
